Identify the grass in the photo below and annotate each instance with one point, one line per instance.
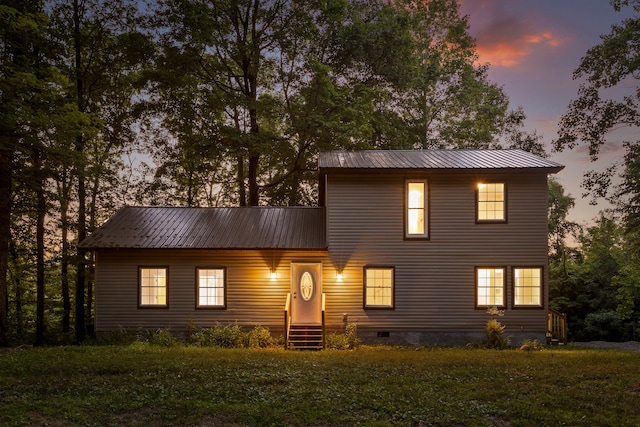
(143, 385)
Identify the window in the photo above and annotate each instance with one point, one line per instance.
(416, 215)
(527, 287)
(153, 286)
(211, 287)
(378, 287)
(491, 205)
(490, 287)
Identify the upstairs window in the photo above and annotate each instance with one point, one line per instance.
(378, 287)
(527, 287)
(211, 288)
(153, 286)
(490, 287)
(416, 209)
(491, 202)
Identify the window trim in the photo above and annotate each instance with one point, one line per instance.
(513, 287)
(224, 288)
(427, 205)
(392, 306)
(154, 267)
(504, 207)
(504, 286)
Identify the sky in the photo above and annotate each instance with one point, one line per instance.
(533, 47)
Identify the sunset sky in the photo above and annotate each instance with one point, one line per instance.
(533, 48)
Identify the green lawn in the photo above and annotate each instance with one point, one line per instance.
(155, 386)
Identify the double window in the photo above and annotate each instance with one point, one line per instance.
(491, 202)
(153, 287)
(379, 287)
(416, 215)
(527, 287)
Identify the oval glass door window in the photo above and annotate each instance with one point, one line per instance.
(306, 286)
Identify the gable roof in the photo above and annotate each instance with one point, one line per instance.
(211, 228)
(369, 160)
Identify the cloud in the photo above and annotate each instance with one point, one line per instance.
(506, 39)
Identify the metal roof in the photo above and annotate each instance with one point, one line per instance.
(211, 228)
(433, 159)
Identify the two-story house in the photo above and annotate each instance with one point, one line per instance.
(414, 246)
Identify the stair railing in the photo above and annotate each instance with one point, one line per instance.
(557, 326)
(323, 333)
(287, 320)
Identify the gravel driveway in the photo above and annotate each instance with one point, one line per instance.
(629, 345)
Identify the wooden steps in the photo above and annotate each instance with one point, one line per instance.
(305, 337)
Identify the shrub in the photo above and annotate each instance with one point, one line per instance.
(223, 336)
(346, 341)
(495, 330)
(163, 338)
(259, 337)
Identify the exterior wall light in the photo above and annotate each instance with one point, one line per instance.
(339, 275)
(273, 274)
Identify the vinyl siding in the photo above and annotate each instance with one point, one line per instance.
(435, 286)
(253, 298)
(434, 278)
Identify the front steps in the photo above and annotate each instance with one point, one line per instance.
(305, 337)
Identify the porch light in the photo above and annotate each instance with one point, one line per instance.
(273, 274)
(339, 275)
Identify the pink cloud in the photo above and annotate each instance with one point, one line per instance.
(505, 39)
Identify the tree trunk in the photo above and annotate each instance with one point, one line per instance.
(6, 163)
(41, 211)
(64, 259)
(80, 172)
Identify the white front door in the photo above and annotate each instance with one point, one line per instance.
(306, 293)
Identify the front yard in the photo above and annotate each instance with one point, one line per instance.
(145, 385)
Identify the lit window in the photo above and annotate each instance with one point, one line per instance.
(491, 202)
(527, 287)
(153, 287)
(416, 220)
(490, 287)
(211, 287)
(378, 287)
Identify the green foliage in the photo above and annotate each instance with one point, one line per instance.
(494, 331)
(348, 340)
(260, 337)
(163, 338)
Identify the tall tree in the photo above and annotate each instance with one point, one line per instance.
(104, 50)
(21, 34)
(273, 82)
(592, 117)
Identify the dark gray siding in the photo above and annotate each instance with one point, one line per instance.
(435, 290)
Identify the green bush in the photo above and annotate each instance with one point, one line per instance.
(259, 337)
(222, 336)
(163, 338)
(495, 330)
(347, 341)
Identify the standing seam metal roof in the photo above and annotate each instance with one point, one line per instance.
(211, 228)
(434, 159)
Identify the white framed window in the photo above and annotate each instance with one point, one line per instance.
(211, 284)
(153, 287)
(379, 287)
(490, 285)
(416, 216)
(527, 287)
(491, 205)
